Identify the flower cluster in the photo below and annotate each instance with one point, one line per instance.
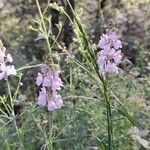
(5, 69)
(110, 55)
(50, 83)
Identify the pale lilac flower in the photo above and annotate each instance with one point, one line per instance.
(58, 101)
(56, 81)
(104, 42)
(51, 83)
(109, 57)
(39, 79)
(111, 68)
(47, 80)
(2, 56)
(51, 105)
(117, 57)
(117, 44)
(55, 103)
(42, 97)
(2, 75)
(9, 58)
(110, 40)
(5, 70)
(10, 70)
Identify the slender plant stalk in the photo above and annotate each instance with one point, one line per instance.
(46, 36)
(109, 116)
(13, 113)
(29, 67)
(50, 119)
(45, 32)
(92, 58)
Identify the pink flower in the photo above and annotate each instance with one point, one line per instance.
(104, 42)
(5, 70)
(39, 79)
(51, 83)
(55, 103)
(56, 81)
(109, 57)
(9, 58)
(58, 101)
(2, 57)
(10, 70)
(47, 81)
(110, 40)
(42, 97)
(111, 68)
(51, 106)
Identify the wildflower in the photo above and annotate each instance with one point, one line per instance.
(55, 103)
(42, 97)
(5, 70)
(110, 55)
(51, 83)
(110, 39)
(56, 81)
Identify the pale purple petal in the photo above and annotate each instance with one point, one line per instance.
(101, 60)
(113, 36)
(117, 44)
(42, 97)
(39, 79)
(109, 57)
(104, 42)
(111, 68)
(9, 58)
(2, 56)
(47, 81)
(2, 75)
(10, 70)
(51, 106)
(117, 57)
(56, 81)
(58, 101)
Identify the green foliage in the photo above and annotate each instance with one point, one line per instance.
(81, 124)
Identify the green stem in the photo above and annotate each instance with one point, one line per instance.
(29, 67)
(109, 116)
(13, 113)
(50, 145)
(9, 93)
(46, 35)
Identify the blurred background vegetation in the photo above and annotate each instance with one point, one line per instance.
(85, 129)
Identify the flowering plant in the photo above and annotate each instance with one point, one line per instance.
(5, 70)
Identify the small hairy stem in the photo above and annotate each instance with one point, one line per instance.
(109, 116)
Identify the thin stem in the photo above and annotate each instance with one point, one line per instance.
(50, 118)
(109, 116)
(12, 109)
(46, 35)
(10, 95)
(29, 67)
